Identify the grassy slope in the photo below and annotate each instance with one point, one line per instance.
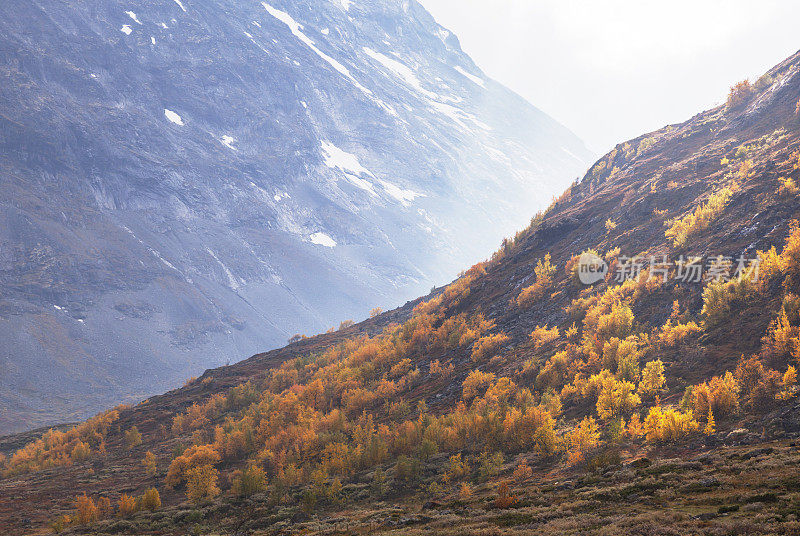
(690, 485)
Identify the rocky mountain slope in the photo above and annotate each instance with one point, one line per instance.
(184, 183)
(529, 395)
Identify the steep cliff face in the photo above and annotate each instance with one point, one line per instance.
(186, 183)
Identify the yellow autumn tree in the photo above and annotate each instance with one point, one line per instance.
(202, 483)
(584, 438)
(86, 511)
(710, 424)
(126, 506)
(150, 464)
(133, 438)
(653, 379)
(151, 500)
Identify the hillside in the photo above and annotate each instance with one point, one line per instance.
(183, 184)
(518, 399)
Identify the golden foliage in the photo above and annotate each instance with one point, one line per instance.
(616, 398)
(249, 481)
(55, 448)
(739, 95)
(202, 483)
(195, 456)
(693, 223)
(475, 384)
(669, 425)
(653, 380)
(126, 506)
(544, 271)
(719, 395)
(583, 439)
(719, 297)
(788, 187)
(150, 500)
(86, 510)
(504, 497)
(673, 334)
(150, 464)
(523, 472)
(437, 369)
(488, 346)
(711, 425)
(133, 438)
(542, 336)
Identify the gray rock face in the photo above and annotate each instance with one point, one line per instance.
(185, 183)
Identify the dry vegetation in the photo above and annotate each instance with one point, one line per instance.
(514, 399)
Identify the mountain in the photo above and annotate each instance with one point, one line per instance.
(545, 390)
(185, 183)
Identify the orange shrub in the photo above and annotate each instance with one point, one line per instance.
(201, 483)
(739, 95)
(475, 384)
(126, 506)
(195, 456)
(542, 336)
(151, 500)
(544, 272)
(488, 345)
(583, 439)
(86, 510)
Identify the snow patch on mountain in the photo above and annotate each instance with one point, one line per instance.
(126, 29)
(173, 117)
(401, 70)
(132, 15)
(472, 77)
(295, 28)
(337, 158)
(233, 283)
(361, 183)
(228, 142)
(322, 239)
(180, 4)
(404, 196)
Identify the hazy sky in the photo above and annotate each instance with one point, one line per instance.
(611, 70)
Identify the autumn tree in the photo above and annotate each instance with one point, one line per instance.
(584, 438)
(616, 398)
(739, 95)
(544, 272)
(202, 483)
(150, 464)
(504, 497)
(475, 384)
(488, 345)
(653, 380)
(126, 505)
(132, 438)
(523, 472)
(80, 452)
(86, 510)
(710, 424)
(150, 500)
(249, 481)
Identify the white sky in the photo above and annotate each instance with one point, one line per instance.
(611, 70)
